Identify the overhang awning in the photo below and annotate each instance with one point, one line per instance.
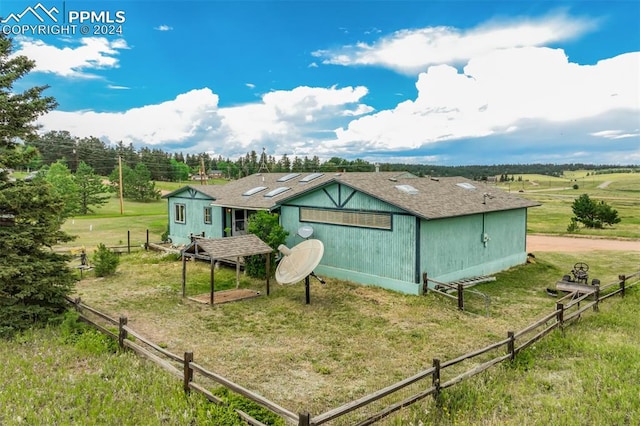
(229, 247)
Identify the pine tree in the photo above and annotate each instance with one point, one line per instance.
(91, 190)
(33, 280)
(64, 186)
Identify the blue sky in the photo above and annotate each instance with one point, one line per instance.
(434, 82)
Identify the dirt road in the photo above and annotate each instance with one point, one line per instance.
(538, 243)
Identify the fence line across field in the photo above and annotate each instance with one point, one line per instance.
(185, 368)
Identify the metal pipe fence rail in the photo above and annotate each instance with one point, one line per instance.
(429, 382)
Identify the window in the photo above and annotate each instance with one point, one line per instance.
(254, 190)
(407, 188)
(466, 185)
(207, 215)
(277, 191)
(180, 216)
(311, 177)
(348, 218)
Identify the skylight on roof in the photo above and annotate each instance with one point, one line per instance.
(277, 191)
(254, 190)
(466, 185)
(288, 177)
(311, 177)
(407, 188)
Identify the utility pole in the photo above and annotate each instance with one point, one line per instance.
(120, 184)
(202, 171)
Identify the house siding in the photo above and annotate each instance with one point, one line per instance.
(385, 258)
(195, 203)
(453, 248)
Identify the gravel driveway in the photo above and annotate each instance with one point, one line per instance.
(538, 243)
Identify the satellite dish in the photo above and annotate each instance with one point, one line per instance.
(299, 262)
(305, 231)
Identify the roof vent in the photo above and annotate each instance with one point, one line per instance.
(254, 190)
(407, 189)
(311, 177)
(276, 191)
(288, 177)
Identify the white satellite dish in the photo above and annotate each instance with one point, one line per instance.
(305, 231)
(299, 262)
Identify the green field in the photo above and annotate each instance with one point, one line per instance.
(351, 340)
(620, 190)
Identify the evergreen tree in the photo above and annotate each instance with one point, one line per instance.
(137, 183)
(91, 190)
(593, 214)
(64, 186)
(33, 281)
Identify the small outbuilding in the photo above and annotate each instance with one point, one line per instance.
(231, 249)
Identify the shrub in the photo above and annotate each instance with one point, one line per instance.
(105, 261)
(265, 226)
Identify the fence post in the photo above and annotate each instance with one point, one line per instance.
(128, 242)
(622, 279)
(188, 371)
(76, 304)
(304, 419)
(511, 345)
(596, 294)
(425, 283)
(435, 378)
(460, 297)
(146, 246)
(560, 315)
(122, 333)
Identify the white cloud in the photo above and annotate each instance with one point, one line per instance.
(291, 121)
(114, 87)
(412, 51)
(91, 53)
(496, 92)
(163, 28)
(284, 121)
(179, 120)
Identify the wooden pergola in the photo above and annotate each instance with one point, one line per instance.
(229, 248)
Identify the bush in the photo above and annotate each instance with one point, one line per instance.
(105, 261)
(265, 226)
(83, 336)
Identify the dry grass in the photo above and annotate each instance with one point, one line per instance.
(350, 341)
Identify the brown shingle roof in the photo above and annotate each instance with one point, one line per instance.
(441, 197)
(229, 247)
(433, 198)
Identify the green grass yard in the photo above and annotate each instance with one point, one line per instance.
(351, 340)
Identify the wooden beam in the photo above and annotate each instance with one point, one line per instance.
(573, 287)
(184, 275)
(237, 271)
(212, 280)
(268, 268)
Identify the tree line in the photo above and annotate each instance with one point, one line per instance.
(167, 166)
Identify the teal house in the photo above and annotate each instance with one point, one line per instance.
(384, 228)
